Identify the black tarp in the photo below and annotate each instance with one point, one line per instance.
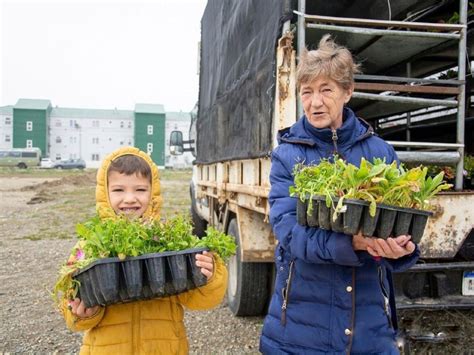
(236, 84)
(237, 67)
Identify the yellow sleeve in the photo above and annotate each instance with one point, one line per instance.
(77, 324)
(211, 294)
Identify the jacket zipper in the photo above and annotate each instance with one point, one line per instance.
(386, 299)
(286, 292)
(334, 140)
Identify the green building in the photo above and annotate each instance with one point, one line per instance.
(150, 120)
(30, 124)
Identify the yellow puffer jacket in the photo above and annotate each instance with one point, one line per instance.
(143, 327)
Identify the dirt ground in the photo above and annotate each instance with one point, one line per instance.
(38, 214)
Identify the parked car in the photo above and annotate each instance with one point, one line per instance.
(70, 164)
(47, 163)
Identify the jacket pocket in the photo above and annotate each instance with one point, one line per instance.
(385, 295)
(286, 293)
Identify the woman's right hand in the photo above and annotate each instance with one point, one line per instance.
(78, 308)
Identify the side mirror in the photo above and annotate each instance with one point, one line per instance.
(176, 143)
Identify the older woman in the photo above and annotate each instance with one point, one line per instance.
(333, 292)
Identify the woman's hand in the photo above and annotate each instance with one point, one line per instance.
(359, 242)
(392, 248)
(206, 262)
(78, 308)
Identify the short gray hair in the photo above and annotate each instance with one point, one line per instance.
(329, 59)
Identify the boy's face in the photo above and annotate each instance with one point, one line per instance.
(129, 194)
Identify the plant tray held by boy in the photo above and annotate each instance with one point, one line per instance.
(112, 280)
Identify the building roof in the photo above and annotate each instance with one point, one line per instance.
(32, 104)
(63, 112)
(178, 116)
(149, 108)
(6, 110)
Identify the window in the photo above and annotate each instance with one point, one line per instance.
(58, 123)
(72, 140)
(29, 154)
(95, 123)
(129, 142)
(149, 129)
(95, 140)
(95, 157)
(129, 124)
(29, 125)
(121, 124)
(121, 142)
(29, 143)
(8, 120)
(8, 138)
(58, 156)
(149, 148)
(58, 139)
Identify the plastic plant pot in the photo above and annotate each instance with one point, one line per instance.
(386, 221)
(312, 217)
(337, 225)
(133, 279)
(324, 213)
(178, 270)
(86, 292)
(369, 223)
(402, 223)
(155, 276)
(195, 277)
(301, 212)
(418, 225)
(106, 277)
(353, 216)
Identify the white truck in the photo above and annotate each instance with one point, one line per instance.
(249, 51)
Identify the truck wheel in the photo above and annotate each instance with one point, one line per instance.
(200, 225)
(248, 288)
(22, 166)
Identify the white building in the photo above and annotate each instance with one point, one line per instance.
(91, 134)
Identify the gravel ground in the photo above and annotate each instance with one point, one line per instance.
(37, 219)
(38, 212)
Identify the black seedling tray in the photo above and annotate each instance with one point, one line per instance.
(111, 280)
(388, 220)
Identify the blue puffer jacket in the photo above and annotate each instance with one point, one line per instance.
(328, 298)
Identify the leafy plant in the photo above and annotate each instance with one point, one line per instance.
(123, 238)
(375, 182)
(469, 166)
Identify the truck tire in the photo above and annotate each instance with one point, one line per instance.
(199, 224)
(22, 166)
(248, 289)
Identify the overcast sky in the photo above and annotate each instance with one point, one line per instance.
(100, 53)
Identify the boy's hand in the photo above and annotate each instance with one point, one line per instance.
(206, 262)
(78, 308)
(392, 248)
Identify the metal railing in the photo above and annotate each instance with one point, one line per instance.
(445, 153)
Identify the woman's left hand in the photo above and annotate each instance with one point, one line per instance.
(392, 248)
(206, 262)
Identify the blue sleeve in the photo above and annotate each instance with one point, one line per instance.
(311, 245)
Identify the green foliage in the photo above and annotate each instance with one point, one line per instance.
(455, 17)
(374, 182)
(469, 166)
(123, 238)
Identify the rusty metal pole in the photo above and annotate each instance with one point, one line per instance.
(462, 94)
(301, 45)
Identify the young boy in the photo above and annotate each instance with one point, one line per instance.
(128, 184)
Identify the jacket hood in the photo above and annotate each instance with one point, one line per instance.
(103, 206)
(352, 130)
